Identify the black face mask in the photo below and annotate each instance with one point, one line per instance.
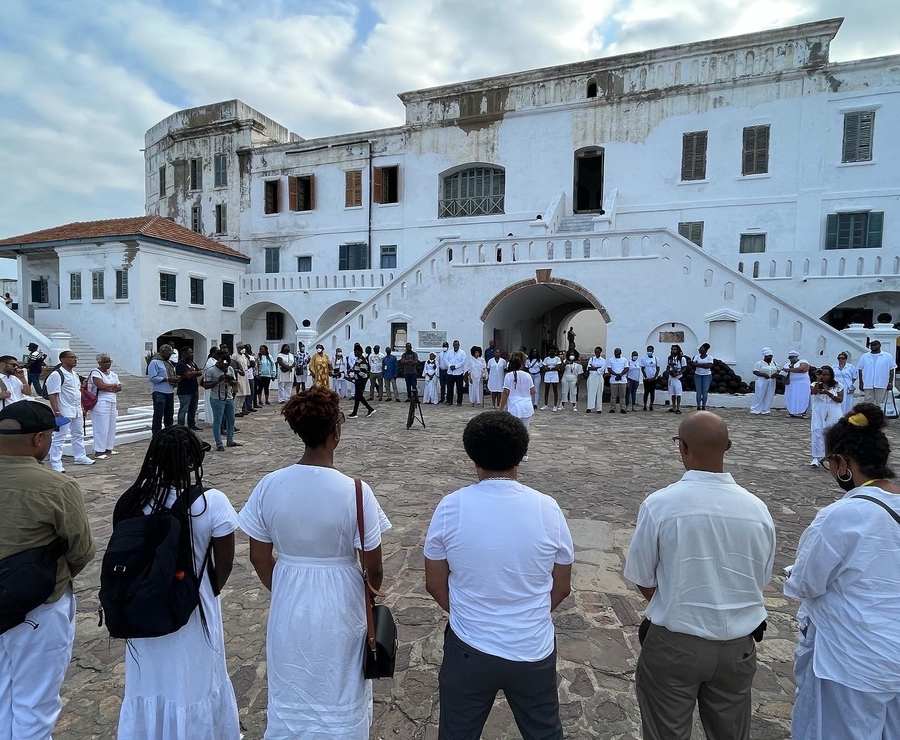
(846, 485)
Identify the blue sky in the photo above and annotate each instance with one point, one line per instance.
(82, 81)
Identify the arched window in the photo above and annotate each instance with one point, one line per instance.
(472, 191)
(592, 89)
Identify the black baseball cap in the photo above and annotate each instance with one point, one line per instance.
(32, 416)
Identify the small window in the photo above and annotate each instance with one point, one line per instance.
(75, 286)
(353, 257)
(304, 264)
(353, 188)
(220, 170)
(863, 230)
(272, 196)
(475, 191)
(97, 289)
(592, 89)
(389, 257)
(121, 285)
(40, 291)
(693, 156)
(756, 150)
(273, 259)
(386, 185)
(221, 218)
(692, 231)
(167, 287)
(753, 243)
(274, 326)
(302, 193)
(859, 127)
(197, 298)
(162, 181)
(196, 220)
(196, 174)
(228, 295)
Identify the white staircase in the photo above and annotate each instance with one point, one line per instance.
(577, 224)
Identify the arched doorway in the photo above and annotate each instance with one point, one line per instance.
(882, 307)
(180, 339)
(267, 323)
(333, 314)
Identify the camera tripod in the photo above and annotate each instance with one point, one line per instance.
(415, 404)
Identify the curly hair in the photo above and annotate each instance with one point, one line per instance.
(495, 440)
(313, 414)
(865, 443)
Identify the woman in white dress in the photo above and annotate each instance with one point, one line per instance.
(827, 397)
(177, 685)
(285, 363)
(846, 375)
(551, 378)
(211, 360)
(675, 367)
(766, 372)
(340, 373)
(518, 397)
(105, 384)
(496, 370)
(533, 367)
(476, 369)
(430, 373)
(571, 371)
(317, 616)
(796, 385)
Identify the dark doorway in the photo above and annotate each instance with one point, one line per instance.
(500, 341)
(841, 318)
(399, 336)
(228, 341)
(175, 341)
(589, 180)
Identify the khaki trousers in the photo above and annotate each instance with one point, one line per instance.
(677, 671)
(617, 395)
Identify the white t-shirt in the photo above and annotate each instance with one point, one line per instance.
(617, 365)
(552, 374)
(596, 366)
(14, 386)
(634, 370)
(109, 378)
(520, 402)
(501, 540)
(876, 369)
(707, 545)
(533, 366)
(650, 367)
(69, 392)
(702, 370)
(375, 362)
(572, 371)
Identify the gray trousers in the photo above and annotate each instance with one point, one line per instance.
(469, 681)
(677, 671)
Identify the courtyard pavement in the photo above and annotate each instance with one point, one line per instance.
(599, 468)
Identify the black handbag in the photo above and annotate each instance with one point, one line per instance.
(380, 654)
(27, 580)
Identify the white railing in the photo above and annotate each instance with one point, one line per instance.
(277, 281)
(837, 263)
(477, 205)
(553, 216)
(16, 334)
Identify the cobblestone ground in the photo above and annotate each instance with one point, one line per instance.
(599, 468)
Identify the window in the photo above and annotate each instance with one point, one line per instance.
(389, 257)
(97, 291)
(196, 174)
(692, 231)
(196, 220)
(121, 285)
(272, 196)
(386, 185)
(592, 89)
(40, 291)
(228, 295)
(693, 156)
(162, 181)
(854, 230)
(476, 191)
(274, 325)
(302, 193)
(197, 291)
(353, 257)
(858, 129)
(220, 171)
(74, 287)
(353, 188)
(304, 264)
(756, 150)
(221, 218)
(751, 243)
(167, 287)
(273, 259)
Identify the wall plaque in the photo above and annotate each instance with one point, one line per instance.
(671, 337)
(432, 338)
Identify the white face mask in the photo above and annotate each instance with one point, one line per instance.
(320, 351)
(571, 357)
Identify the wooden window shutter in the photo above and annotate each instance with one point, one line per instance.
(342, 257)
(293, 194)
(875, 229)
(749, 145)
(687, 156)
(859, 127)
(684, 229)
(831, 231)
(312, 192)
(353, 188)
(697, 233)
(700, 156)
(378, 185)
(761, 164)
(866, 121)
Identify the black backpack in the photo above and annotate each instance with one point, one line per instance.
(147, 585)
(27, 580)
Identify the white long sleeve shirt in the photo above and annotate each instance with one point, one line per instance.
(458, 359)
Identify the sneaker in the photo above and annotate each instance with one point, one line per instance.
(352, 416)
(651, 408)
(195, 429)
(220, 448)
(101, 457)
(574, 407)
(397, 400)
(371, 412)
(113, 452)
(622, 411)
(58, 468)
(677, 411)
(645, 408)
(544, 408)
(588, 411)
(556, 408)
(815, 463)
(525, 459)
(83, 461)
(234, 444)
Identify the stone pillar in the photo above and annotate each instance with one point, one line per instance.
(306, 335)
(59, 341)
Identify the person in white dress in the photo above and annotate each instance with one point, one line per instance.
(571, 371)
(285, 363)
(827, 397)
(211, 359)
(496, 371)
(317, 616)
(518, 392)
(339, 384)
(796, 385)
(105, 384)
(845, 374)
(766, 372)
(432, 379)
(847, 572)
(675, 367)
(533, 367)
(476, 369)
(177, 686)
(596, 369)
(551, 378)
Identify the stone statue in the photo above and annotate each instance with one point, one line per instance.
(570, 336)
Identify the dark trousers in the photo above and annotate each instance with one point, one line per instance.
(469, 681)
(187, 409)
(262, 387)
(455, 381)
(442, 376)
(35, 382)
(649, 391)
(631, 393)
(359, 397)
(163, 410)
(412, 384)
(249, 400)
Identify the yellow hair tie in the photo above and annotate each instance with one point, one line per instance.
(858, 420)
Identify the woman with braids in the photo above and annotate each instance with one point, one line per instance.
(317, 617)
(518, 395)
(847, 572)
(177, 686)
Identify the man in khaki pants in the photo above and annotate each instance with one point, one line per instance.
(702, 554)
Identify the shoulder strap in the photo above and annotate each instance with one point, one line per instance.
(360, 524)
(888, 509)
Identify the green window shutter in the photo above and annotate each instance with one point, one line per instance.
(875, 229)
(831, 231)
(342, 258)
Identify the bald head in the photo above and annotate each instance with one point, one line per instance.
(704, 441)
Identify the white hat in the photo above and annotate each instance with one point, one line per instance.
(793, 353)
(766, 351)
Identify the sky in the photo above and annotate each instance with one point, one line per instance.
(82, 81)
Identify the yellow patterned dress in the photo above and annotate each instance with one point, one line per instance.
(319, 367)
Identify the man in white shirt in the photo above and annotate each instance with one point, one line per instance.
(13, 383)
(443, 367)
(650, 371)
(498, 558)
(702, 553)
(596, 368)
(64, 393)
(876, 373)
(456, 368)
(617, 367)
(376, 360)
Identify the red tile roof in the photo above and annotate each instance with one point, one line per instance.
(153, 227)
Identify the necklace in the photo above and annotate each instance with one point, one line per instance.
(498, 477)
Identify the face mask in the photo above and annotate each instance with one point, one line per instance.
(571, 357)
(634, 357)
(649, 354)
(320, 351)
(846, 485)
